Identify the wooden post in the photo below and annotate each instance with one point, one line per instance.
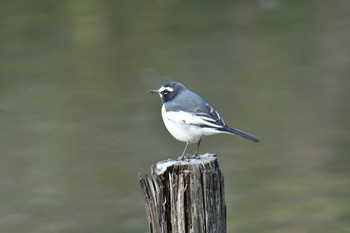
(185, 196)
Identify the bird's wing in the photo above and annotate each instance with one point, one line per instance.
(207, 117)
(209, 114)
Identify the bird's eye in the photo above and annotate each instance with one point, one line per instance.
(165, 92)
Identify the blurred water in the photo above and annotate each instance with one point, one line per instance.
(77, 124)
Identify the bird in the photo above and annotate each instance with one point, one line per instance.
(189, 118)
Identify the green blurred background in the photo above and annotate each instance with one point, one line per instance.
(77, 123)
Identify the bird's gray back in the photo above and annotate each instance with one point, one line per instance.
(186, 101)
(189, 101)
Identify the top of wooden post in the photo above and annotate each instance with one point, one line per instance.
(186, 164)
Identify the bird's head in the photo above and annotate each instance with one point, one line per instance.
(169, 90)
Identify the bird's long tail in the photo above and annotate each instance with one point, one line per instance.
(241, 133)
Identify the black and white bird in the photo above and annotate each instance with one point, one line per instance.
(189, 118)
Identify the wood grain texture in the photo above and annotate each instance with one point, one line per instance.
(185, 196)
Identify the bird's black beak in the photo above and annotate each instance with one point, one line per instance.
(154, 91)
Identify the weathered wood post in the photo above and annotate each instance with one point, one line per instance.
(185, 196)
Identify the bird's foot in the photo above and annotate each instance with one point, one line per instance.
(188, 156)
(184, 157)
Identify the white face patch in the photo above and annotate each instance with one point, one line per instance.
(164, 91)
(169, 89)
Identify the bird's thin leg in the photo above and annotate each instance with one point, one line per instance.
(199, 142)
(183, 153)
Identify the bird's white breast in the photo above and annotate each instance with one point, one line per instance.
(180, 126)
